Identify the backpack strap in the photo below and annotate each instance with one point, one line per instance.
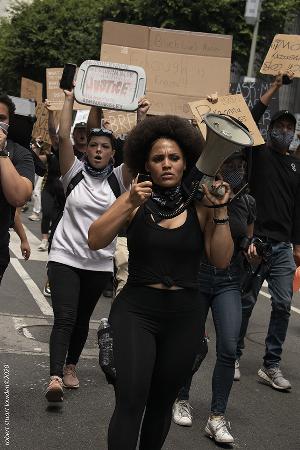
(114, 184)
(73, 183)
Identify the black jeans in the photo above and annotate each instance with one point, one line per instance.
(278, 269)
(156, 337)
(74, 293)
(221, 290)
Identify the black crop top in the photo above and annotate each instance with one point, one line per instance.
(161, 255)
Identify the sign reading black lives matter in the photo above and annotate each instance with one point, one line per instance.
(252, 91)
(283, 55)
(110, 85)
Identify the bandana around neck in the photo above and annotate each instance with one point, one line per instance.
(98, 173)
(167, 198)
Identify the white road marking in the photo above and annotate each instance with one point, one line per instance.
(33, 288)
(265, 294)
(34, 242)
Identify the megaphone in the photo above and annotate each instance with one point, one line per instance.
(225, 136)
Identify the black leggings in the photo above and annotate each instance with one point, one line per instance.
(157, 334)
(49, 209)
(74, 293)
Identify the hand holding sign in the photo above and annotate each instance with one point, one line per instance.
(110, 85)
(283, 55)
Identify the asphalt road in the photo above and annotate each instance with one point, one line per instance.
(261, 418)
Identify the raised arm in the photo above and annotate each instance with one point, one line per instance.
(264, 101)
(95, 118)
(51, 126)
(66, 153)
(218, 241)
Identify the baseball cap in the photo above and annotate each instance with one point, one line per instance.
(285, 115)
(80, 125)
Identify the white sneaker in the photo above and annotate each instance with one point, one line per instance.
(237, 372)
(217, 429)
(34, 217)
(43, 247)
(182, 414)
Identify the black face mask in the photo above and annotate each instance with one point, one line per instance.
(234, 177)
(280, 140)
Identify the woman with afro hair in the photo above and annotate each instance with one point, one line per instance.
(157, 320)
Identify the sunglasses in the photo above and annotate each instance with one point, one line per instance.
(100, 132)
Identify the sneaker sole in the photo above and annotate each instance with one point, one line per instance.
(267, 380)
(46, 294)
(71, 387)
(219, 441)
(182, 424)
(54, 396)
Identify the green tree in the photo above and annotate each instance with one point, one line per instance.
(48, 33)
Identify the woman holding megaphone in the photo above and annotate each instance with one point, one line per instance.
(158, 318)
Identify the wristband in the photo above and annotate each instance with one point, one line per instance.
(4, 153)
(221, 221)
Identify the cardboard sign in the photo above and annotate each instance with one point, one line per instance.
(54, 93)
(252, 91)
(181, 66)
(31, 89)
(283, 55)
(110, 85)
(121, 122)
(40, 128)
(232, 105)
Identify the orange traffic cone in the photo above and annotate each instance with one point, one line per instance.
(296, 283)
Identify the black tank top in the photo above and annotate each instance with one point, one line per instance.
(160, 255)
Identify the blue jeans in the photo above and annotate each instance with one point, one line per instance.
(278, 269)
(221, 289)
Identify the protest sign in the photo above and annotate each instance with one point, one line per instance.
(31, 89)
(54, 94)
(110, 85)
(120, 122)
(252, 92)
(232, 105)
(180, 66)
(283, 55)
(40, 128)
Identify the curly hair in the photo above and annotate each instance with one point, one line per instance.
(142, 137)
(6, 100)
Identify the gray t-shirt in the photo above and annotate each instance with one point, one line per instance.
(86, 202)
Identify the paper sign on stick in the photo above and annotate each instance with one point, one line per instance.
(283, 55)
(232, 105)
(31, 89)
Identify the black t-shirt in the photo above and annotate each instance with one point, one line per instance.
(23, 162)
(275, 185)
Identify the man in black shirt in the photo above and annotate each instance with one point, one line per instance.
(16, 179)
(275, 185)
